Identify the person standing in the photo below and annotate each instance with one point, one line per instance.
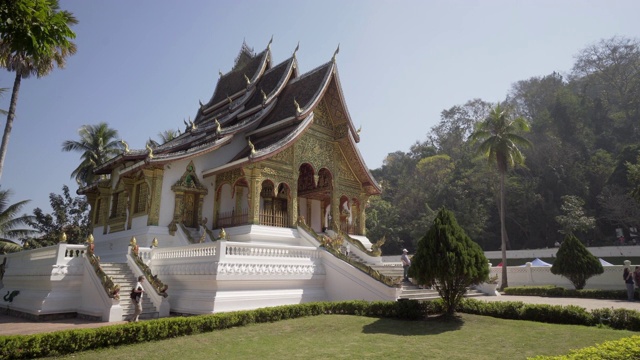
(636, 276)
(406, 263)
(627, 275)
(136, 298)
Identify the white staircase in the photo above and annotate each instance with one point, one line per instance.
(123, 276)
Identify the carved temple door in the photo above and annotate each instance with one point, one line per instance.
(190, 212)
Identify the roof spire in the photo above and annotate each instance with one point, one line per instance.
(218, 127)
(200, 102)
(253, 148)
(270, 41)
(220, 73)
(126, 146)
(298, 110)
(335, 53)
(150, 154)
(296, 49)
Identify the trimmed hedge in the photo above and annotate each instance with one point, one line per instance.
(556, 291)
(71, 341)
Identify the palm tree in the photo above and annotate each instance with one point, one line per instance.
(10, 225)
(98, 143)
(164, 136)
(34, 38)
(500, 145)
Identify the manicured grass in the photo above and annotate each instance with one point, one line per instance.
(358, 337)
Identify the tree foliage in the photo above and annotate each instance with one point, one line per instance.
(574, 219)
(575, 262)
(584, 125)
(35, 37)
(12, 225)
(97, 144)
(447, 258)
(70, 216)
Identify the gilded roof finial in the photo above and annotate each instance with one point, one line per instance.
(333, 59)
(220, 73)
(264, 96)
(126, 146)
(246, 78)
(253, 148)
(192, 125)
(270, 41)
(296, 49)
(218, 127)
(200, 102)
(359, 130)
(150, 150)
(298, 110)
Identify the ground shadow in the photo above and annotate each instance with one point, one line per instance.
(428, 326)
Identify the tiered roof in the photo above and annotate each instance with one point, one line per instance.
(271, 106)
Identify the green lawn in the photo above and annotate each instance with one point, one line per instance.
(357, 337)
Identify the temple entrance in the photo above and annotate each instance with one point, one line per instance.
(190, 211)
(274, 204)
(314, 197)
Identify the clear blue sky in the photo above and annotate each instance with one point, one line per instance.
(142, 66)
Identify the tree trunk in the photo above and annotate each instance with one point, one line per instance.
(503, 235)
(10, 116)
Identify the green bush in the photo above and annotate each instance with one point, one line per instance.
(71, 341)
(623, 349)
(556, 291)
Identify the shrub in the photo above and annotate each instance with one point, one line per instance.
(575, 262)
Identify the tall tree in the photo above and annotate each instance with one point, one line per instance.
(447, 258)
(11, 225)
(98, 143)
(34, 38)
(500, 144)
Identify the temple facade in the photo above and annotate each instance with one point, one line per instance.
(271, 147)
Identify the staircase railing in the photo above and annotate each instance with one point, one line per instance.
(112, 289)
(155, 289)
(333, 247)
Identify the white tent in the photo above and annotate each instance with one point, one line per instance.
(538, 262)
(605, 263)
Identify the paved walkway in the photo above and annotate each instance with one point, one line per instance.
(10, 325)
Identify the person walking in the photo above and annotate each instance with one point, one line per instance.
(136, 298)
(627, 275)
(406, 263)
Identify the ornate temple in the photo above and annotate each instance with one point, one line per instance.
(255, 203)
(270, 147)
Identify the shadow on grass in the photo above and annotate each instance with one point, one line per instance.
(429, 326)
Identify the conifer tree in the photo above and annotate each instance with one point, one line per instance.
(575, 262)
(447, 258)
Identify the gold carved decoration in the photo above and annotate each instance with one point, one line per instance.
(321, 116)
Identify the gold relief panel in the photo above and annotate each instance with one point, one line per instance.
(344, 171)
(229, 177)
(285, 156)
(321, 116)
(341, 131)
(314, 151)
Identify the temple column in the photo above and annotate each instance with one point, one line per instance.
(254, 196)
(293, 203)
(153, 177)
(362, 218)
